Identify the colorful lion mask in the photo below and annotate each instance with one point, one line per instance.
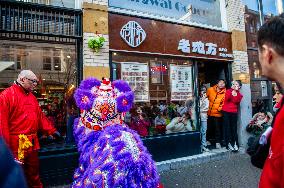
(104, 103)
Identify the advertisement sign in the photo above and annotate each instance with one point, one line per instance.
(152, 36)
(192, 11)
(137, 75)
(181, 82)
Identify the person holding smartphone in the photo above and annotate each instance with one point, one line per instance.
(232, 101)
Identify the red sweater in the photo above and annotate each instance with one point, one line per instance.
(273, 172)
(231, 102)
(141, 126)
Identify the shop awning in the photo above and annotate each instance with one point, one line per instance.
(5, 64)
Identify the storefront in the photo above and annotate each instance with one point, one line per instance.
(165, 64)
(46, 39)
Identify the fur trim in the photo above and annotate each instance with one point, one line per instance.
(84, 99)
(124, 102)
(121, 85)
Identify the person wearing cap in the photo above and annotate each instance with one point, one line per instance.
(21, 118)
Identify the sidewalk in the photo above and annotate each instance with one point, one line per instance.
(218, 168)
(227, 170)
(215, 154)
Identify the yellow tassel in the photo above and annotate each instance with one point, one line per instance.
(24, 144)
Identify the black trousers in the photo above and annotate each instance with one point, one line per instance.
(230, 130)
(214, 129)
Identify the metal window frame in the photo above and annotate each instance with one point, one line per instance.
(23, 21)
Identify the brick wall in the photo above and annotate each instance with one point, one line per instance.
(240, 67)
(95, 16)
(236, 24)
(235, 15)
(92, 58)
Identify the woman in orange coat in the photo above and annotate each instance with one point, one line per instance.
(216, 96)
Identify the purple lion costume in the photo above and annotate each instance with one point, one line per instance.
(111, 154)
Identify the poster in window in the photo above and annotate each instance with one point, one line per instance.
(156, 70)
(137, 75)
(181, 82)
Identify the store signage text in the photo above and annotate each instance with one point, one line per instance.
(178, 6)
(193, 11)
(200, 47)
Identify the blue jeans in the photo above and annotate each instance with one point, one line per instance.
(203, 130)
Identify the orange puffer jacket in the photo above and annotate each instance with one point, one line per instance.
(216, 101)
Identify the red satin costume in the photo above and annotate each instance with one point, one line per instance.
(20, 113)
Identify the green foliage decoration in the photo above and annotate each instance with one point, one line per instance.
(96, 43)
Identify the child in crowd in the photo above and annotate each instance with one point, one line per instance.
(140, 123)
(160, 123)
(260, 122)
(204, 105)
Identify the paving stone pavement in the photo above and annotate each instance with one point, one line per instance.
(233, 171)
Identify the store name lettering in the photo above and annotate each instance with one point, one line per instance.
(177, 6)
(200, 47)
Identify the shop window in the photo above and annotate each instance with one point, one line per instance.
(55, 67)
(46, 63)
(57, 63)
(253, 44)
(161, 86)
(157, 69)
(256, 70)
(252, 26)
(6, 54)
(257, 25)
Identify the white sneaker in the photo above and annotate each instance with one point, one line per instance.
(204, 149)
(218, 146)
(230, 147)
(236, 148)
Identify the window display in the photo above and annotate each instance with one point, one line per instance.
(164, 97)
(55, 67)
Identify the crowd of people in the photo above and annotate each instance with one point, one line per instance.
(218, 108)
(154, 119)
(22, 119)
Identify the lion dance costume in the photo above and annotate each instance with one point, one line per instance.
(111, 154)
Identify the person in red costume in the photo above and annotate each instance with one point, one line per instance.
(21, 118)
(271, 57)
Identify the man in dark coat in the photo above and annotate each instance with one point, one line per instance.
(11, 174)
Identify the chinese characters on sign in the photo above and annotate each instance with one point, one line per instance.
(137, 75)
(202, 48)
(181, 82)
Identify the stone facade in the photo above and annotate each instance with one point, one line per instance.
(240, 67)
(236, 25)
(95, 23)
(235, 15)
